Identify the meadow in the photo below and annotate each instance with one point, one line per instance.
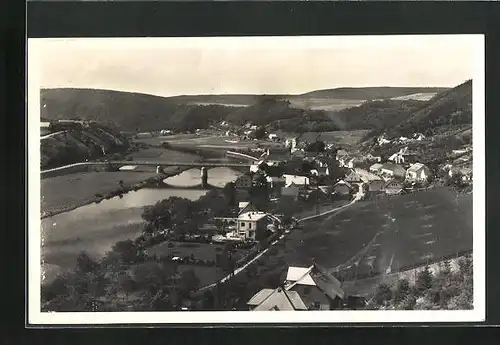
(370, 237)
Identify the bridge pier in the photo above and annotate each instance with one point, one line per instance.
(204, 177)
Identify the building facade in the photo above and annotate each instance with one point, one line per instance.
(252, 225)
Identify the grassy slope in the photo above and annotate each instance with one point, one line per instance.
(452, 106)
(334, 241)
(375, 114)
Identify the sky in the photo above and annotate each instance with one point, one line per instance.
(290, 65)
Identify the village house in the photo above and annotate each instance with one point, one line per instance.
(342, 188)
(418, 172)
(320, 172)
(252, 225)
(317, 288)
(246, 206)
(353, 177)
(290, 143)
(376, 168)
(297, 180)
(465, 172)
(276, 300)
(277, 156)
(376, 185)
(275, 185)
(372, 158)
(393, 187)
(341, 153)
(418, 136)
(404, 156)
(392, 170)
(273, 137)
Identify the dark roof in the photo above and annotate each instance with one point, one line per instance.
(392, 166)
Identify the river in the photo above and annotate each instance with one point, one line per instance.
(94, 228)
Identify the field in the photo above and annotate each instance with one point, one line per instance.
(326, 104)
(162, 155)
(215, 142)
(310, 103)
(394, 233)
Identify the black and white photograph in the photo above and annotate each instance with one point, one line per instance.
(215, 180)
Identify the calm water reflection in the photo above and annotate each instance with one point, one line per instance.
(96, 227)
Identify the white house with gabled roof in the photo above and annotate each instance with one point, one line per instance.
(418, 172)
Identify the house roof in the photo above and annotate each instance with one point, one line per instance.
(296, 274)
(315, 276)
(392, 167)
(342, 182)
(353, 176)
(243, 204)
(275, 179)
(376, 166)
(128, 167)
(393, 181)
(416, 167)
(252, 216)
(278, 299)
(342, 152)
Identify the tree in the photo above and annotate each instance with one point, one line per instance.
(260, 132)
(169, 212)
(188, 282)
(230, 194)
(128, 252)
(402, 291)
(317, 146)
(424, 279)
(383, 294)
(85, 264)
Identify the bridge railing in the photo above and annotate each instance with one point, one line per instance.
(241, 155)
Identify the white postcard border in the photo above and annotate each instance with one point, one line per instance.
(36, 317)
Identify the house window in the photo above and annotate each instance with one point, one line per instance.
(316, 305)
(242, 224)
(249, 225)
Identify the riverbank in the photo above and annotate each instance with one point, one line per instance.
(77, 190)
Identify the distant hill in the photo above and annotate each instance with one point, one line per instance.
(369, 93)
(128, 112)
(136, 112)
